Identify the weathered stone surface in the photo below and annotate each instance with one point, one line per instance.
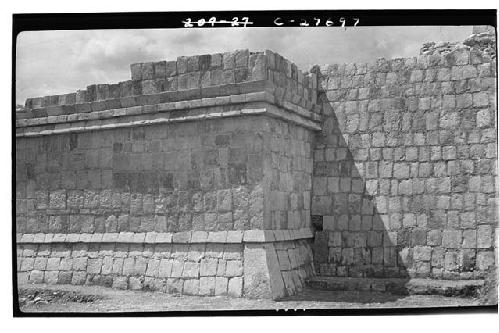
(191, 287)
(415, 162)
(234, 268)
(207, 286)
(221, 286)
(235, 287)
(208, 267)
(262, 278)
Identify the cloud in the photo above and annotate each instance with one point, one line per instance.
(57, 62)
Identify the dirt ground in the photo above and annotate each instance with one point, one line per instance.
(69, 299)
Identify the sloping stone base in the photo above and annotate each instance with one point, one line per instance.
(254, 269)
(275, 270)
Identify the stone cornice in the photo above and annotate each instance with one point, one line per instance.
(197, 110)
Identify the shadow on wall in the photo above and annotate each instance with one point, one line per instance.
(356, 239)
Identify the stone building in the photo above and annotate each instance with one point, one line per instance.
(239, 174)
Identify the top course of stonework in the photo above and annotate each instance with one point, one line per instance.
(187, 78)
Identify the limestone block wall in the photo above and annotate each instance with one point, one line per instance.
(162, 178)
(287, 175)
(209, 175)
(172, 181)
(202, 268)
(405, 167)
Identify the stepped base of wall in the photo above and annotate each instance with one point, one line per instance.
(260, 268)
(408, 261)
(461, 288)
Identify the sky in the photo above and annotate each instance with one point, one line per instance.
(59, 62)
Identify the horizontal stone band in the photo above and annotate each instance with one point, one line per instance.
(188, 237)
(102, 125)
(264, 96)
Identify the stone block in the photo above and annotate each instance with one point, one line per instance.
(254, 236)
(199, 237)
(191, 270)
(483, 118)
(170, 68)
(217, 236)
(165, 268)
(221, 284)
(147, 71)
(140, 266)
(51, 277)
(235, 287)
(159, 69)
(469, 239)
(153, 267)
(467, 220)
(389, 257)
(422, 253)
(480, 99)
(191, 287)
(234, 236)
(79, 277)
(452, 239)
(163, 237)
(262, 278)
(228, 60)
(136, 71)
(40, 264)
(27, 264)
(434, 237)
(208, 267)
(53, 264)
(120, 282)
(135, 283)
(174, 286)
(485, 259)
(128, 266)
(57, 199)
(374, 238)
(234, 268)
(177, 267)
(484, 237)
(221, 267)
(107, 265)
(207, 286)
(65, 277)
(36, 276)
(181, 237)
(401, 170)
